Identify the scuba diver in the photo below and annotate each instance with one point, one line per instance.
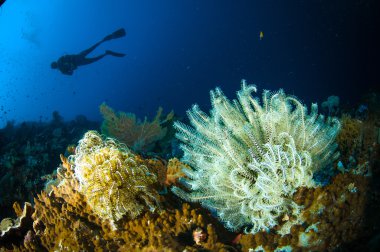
(68, 63)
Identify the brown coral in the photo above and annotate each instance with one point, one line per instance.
(12, 231)
(64, 221)
(348, 137)
(333, 215)
(358, 145)
(171, 230)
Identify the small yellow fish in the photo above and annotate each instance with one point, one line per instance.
(261, 36)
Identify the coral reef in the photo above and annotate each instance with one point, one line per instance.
(111, 180)
(348, 137)
(12, 231)
(248, 159)
(170, 231)
(64, 221)
(332, 215)
(30, 150)
(359, 146)
(136, 134)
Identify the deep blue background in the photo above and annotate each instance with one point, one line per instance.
(178, 50)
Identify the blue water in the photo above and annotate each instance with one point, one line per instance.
(178, 50)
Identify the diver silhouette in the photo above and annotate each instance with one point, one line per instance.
(68, 63)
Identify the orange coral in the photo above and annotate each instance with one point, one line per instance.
(70, 225)
(64, 221)
(131, 131)
(167, 173)
(164, 232)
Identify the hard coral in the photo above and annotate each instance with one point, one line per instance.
(349, 137)
(248, 159)
(169, 231)
(68, 226)
(359, 146)
(12, 230)
(111, 180)
(64, 221)
(332, 215)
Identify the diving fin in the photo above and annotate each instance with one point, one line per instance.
(116, 34)
(115, 53)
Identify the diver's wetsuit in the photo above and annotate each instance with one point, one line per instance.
(68, 63)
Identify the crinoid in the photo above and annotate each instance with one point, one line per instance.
(113, 183)
(247, 159)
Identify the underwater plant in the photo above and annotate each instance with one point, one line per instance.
(111, 179)
(247, 159)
